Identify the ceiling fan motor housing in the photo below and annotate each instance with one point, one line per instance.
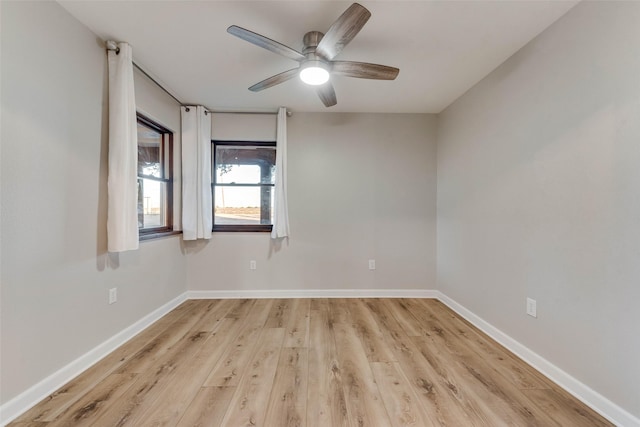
(311, 41)
(314, 70)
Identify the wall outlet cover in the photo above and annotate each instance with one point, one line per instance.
(532, 309)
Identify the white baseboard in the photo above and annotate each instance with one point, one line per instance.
(27, 399)
(617, 415)
(582, 392)
(314, 293)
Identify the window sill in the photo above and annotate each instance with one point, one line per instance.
(243, 228)
(158, 235)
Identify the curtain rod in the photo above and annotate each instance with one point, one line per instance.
(244, 112)
(289, 113)
(111, 45)
(157, 84)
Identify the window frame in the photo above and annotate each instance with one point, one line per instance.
(263, 228)
(167, 173)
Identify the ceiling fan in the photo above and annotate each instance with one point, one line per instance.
(316, 62)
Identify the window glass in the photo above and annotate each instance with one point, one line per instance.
(247, 165)
(154, 178)
(244, 176)
(149, 151)
(152, 203)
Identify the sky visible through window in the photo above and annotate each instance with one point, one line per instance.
(238, 197)
(151, 199)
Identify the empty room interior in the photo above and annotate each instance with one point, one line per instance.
(198, 229)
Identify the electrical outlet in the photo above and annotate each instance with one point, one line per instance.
(252, 264)
(531, 308)
(113, 295)
(372, 264)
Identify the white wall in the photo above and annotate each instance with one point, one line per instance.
(361, 186)
(55, 269)
(539, 196)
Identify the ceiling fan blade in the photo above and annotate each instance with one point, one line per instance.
(343, 31)
(364, 70)
(274, 80)
(265, 43)
(327, 94)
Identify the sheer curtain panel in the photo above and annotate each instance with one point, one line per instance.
(197, 213)
(122, 210)
(281, 214)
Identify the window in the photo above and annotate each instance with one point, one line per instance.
(243, 180)
(155, 186)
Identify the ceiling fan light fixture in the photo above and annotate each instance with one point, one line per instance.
(314, 73)
(316, 60)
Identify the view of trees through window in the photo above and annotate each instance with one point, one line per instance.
(243, 185)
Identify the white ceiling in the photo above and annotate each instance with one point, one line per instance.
(441, 47)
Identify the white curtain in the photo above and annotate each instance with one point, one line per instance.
(197, 214)
(122, 210)
(281, 215)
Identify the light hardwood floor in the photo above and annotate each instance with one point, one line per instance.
(314, 363)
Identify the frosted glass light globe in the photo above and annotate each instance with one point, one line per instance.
(315, 73)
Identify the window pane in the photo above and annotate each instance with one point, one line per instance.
(245, 165)
(245, 174)
(151, 201)
(242, 205)
(149, 154)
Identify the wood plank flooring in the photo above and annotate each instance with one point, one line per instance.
(311, 363)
